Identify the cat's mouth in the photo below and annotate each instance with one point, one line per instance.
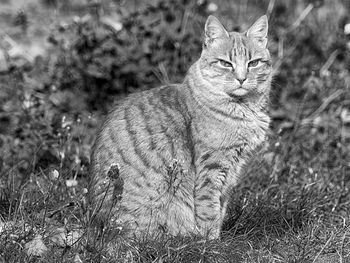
(239, 92)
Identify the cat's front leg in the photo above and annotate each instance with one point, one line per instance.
(208, 200)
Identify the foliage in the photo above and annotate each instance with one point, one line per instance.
(153, 44)
(292, 203)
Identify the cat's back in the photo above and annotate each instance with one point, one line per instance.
(140, 128)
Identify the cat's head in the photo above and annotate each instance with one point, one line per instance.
(236, 64)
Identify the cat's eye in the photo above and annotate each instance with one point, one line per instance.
(225, 63)
(253, 63)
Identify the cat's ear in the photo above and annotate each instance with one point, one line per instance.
(214, 30)
(258, 32)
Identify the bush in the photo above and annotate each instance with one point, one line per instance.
(294, 193)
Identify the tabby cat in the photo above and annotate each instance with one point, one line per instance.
(176, 151)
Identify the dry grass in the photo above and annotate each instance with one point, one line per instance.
(293, 202)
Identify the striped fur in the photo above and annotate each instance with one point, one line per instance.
(180, 148)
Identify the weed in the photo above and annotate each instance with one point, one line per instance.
(292, 204)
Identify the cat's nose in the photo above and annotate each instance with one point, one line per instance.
(241, 80)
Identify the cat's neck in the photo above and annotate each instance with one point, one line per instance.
(199, 90)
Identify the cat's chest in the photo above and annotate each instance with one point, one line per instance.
(220, 134)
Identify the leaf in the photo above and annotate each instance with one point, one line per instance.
(64, 238)
(36, 247)
(77, 259)
(6, 226)
(94, 71)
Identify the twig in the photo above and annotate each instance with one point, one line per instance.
(325, 245)
(202, 254)
(301, 18)
(323, 106)
(112, 24)
(164, 74)
(270, 7)
(186, 245)
(280, 47)
(242, 9)
(279, 61)
(342, 247)
(157, 73)
(184, 22)
(13, 44)
(329, 62)
(295, 25)
(52, 213)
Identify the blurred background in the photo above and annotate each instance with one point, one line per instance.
(63, 63)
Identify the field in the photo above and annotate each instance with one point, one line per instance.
(63, 63)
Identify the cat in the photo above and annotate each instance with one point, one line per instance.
(177, 151)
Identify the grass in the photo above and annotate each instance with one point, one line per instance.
(293, 202)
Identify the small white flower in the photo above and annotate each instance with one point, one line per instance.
(27, 104)
(76, 19)
(54, 174)
(212, 7)
(347, 29)
(71, 183)
(345, 116)
(317, 121)
(62, 155)
(77, 160)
